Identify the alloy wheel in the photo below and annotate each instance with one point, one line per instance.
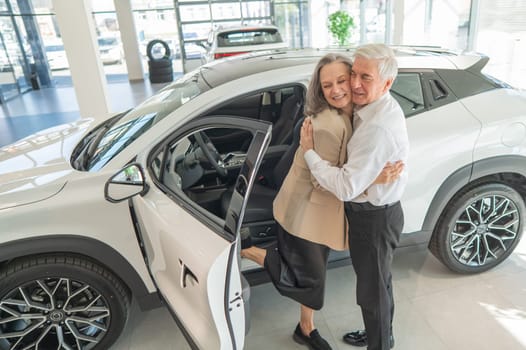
(53, 313)
(485, 230)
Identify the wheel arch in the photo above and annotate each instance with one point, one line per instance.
(509, 169)
(90, 248)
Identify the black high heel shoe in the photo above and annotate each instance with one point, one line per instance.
(246, 239)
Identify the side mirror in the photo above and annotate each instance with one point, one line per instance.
(126, 183)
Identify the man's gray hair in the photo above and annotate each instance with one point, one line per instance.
(384, 55)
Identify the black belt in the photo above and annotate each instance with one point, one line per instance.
(366, 206)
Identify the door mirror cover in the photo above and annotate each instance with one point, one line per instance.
(126, 183)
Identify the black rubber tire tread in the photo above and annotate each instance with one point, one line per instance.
(162, 78)
(438, 242)
(9, 274)
(162, 71)
(152, 43)
(164, 63)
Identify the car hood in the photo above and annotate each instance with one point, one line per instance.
(37, 167)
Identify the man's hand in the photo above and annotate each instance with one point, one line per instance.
(390, 173)
(306, 138)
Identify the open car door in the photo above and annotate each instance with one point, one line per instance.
(192, 251)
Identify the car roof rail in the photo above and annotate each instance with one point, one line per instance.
(424, 50)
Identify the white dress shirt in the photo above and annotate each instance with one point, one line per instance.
(379, 136)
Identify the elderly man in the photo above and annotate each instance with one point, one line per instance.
(374, 211)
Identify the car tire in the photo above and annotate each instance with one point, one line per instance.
(479, 228)
(152, 43)
(160, 64)
(161, 71)
(161, 78)
(46, 298)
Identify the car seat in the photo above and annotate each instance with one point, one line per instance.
(291, 110)
(259, 217)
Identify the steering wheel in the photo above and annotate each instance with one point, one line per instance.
(211, 153)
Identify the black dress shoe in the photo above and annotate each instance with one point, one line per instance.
(359, 338)
(314, 341)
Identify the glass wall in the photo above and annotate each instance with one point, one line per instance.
(32, 54)
(442, 23)
(501, 35)
(111, 51)
(15, 53)
(293, 20)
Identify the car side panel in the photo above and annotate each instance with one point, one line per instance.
(441, 142)
(88, 247)
(93, 217)
(460, 178)
(503, 115)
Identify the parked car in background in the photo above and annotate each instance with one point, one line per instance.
(150, 203)
(225, 42)
(110, 50)
(193, 51)
(56, 56)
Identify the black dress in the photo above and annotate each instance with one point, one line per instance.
(297, 267)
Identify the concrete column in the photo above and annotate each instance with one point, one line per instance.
(75, 21)
(129, 39)
(399, 17)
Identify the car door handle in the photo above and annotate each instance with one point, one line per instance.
(185, 274)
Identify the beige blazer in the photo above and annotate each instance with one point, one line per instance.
(302, 207)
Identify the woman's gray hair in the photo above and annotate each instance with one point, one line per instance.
(316, 102)
(384, 55)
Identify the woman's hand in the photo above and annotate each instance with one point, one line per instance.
(306, 138)
(390, 173)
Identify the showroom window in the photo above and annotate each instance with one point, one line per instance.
(501, 35)
(292, 18)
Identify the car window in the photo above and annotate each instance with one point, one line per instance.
(407, 90)
(252, 37)
(183, 168)
(134, 123)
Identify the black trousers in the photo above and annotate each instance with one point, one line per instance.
(373, 237)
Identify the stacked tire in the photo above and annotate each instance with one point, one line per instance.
(160, 66)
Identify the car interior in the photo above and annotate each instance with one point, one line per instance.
(203, 166)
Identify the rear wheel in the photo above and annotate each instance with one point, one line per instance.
(60, 302)
(479, 228)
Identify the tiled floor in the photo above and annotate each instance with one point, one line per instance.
(436, 309)
(40, 109)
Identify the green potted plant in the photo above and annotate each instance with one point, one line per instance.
(340, 25)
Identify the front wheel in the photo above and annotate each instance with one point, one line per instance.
(60, 302)
(479, 228)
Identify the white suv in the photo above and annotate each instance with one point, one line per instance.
(150, 203)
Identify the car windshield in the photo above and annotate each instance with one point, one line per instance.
(112, 136)
(248, 37)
